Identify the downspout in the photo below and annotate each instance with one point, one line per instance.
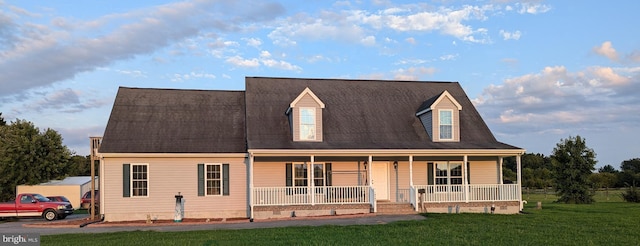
(373, 199)
(251, 197)
(519, 164)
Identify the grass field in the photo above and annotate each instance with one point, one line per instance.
(606, 222)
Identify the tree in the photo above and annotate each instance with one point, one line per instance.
(630, 173)
(607, 169)
(28, 156)
(632, 165)
(604, 180)
(80, 165)
(573, 163)
(2, 122)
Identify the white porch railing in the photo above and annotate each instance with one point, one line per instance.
(269, 196)
(456, 193)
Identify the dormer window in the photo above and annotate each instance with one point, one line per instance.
(305, 117)
(440, 116)
(307, 124)
(446, 124)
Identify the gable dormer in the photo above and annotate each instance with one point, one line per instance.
(440, 117)
(305, 117)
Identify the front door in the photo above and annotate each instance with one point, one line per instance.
(380, 180)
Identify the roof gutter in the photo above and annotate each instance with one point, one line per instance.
(175, 155)
(375, 152)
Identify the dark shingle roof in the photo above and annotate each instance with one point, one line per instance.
(176, 121)
(359, 114)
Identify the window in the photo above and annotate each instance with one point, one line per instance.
(318, 174)
(307, 124)
(300, 177)
(139, 180)
(296, 174)
(214, 179)
(448, 173)
(446, 124)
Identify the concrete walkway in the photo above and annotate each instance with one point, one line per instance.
(17, 227)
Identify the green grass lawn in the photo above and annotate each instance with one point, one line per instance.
(607, 222)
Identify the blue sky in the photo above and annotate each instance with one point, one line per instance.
(538, 71)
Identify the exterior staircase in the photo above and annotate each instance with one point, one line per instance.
(395, 208)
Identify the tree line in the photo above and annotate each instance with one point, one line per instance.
(31, 156)
(570, 171)
(537, 173)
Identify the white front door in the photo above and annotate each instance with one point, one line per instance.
(380, 180)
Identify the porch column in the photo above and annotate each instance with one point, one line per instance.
(500, 176)
(411, 170)
(312, 184)
(519, 167)
(251, 186)
(465, 181)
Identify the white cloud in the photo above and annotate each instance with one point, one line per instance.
(189, 76)
(369, 41)
(448, 57)
(265, 59)
(241, 62)
(62, 101)
(413, 73)
(606, 49)
(253, 42)
(446, 20)
(40, 55)
(560, 100)
(510, 35)
(532, 8)
(411, 40)
(280, 65)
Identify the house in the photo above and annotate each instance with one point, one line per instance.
(71, 187)
(301, 147)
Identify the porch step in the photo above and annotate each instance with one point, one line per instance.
(395, 208)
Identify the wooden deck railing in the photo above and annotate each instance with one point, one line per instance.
(268, 196)
(456, 193)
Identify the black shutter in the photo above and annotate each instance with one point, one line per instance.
(430, 173)
(327, 173)
(289, 175)
(225, 179)
(126, 177)
(468, 174)
(200, 179)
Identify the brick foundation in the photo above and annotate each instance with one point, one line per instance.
(510, 207)
(271, 212)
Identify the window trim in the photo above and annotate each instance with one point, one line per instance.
(449, 177)
(221, 179)
(306, 165)
(440, 125)
(314, 126)
(132, 179)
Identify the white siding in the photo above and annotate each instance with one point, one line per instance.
(483, 172)
(167, 177)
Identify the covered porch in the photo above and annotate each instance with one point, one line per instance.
(322, 182)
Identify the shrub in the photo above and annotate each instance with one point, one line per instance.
(632, 194)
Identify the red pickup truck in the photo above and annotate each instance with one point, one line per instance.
(35, 205)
